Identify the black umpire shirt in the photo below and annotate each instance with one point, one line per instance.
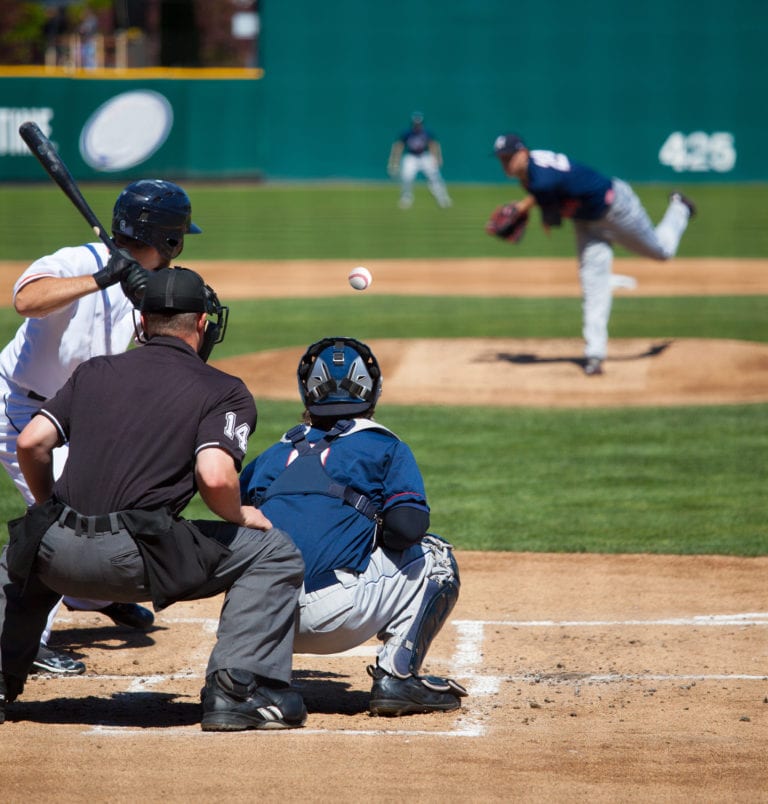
(135, 422)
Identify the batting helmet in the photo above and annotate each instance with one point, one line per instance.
(339, 377)
(155, 212)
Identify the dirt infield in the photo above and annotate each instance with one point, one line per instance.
(591, 678)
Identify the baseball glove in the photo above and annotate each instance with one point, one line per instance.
(508, 223)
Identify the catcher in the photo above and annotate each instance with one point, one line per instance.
(351, 495)
(604, 211)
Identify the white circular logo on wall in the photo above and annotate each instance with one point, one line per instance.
(126, 130)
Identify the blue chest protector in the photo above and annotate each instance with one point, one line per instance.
(307, 475)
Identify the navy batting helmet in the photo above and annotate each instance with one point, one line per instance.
(339, 377)
(155, 212)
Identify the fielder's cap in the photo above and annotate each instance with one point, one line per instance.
(417, 117)
(178, 290)
(507, 144)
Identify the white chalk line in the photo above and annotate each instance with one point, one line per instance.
(464, 664)
(749, 618)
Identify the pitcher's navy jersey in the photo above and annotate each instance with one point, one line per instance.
(330, 533)
(579, 191)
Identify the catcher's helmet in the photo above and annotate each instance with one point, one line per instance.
(339, 377)
(157, 213)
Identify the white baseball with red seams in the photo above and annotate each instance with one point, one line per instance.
(360, 278)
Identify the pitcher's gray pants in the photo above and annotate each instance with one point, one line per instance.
(626, 224)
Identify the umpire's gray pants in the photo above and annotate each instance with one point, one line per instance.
(261, 579)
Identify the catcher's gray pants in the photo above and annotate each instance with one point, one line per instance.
(384, 601)
(627, 224)
(261, 579)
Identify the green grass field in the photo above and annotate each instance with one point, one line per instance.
(675, 480)
(362, 222)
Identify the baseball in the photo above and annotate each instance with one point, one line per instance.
(360, 278)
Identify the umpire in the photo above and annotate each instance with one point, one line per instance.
(146, 429)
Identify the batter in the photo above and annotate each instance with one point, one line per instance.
(75, 307)
(604, 211)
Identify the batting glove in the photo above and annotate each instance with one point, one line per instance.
(134, 282)
(119, 263)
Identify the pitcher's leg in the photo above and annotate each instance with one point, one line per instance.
(595, 264)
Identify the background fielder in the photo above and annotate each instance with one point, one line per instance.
(417, 151)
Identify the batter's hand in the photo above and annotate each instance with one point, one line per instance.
(134, 283)
(119, 263)
(253, 518)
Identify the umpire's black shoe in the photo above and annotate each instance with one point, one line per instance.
(234, 700)
(413, 695)
(3, 698)
(131, 615)
(10, 688)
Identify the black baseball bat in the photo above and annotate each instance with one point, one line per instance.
(42, 148)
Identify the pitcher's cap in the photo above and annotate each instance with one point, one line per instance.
(507, 144)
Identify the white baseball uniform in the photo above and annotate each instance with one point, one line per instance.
(45, 351)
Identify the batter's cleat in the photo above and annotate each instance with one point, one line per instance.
(593, 366)
(129, 614)
(392, 696)
(683, 199)
(49, 661)
(234, 700)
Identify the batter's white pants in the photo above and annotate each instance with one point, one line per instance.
(383, 601)
(626, 224)
(15, 413)
(410, 167)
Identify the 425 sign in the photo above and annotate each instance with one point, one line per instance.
(699, 152)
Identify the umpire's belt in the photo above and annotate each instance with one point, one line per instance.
(79, 523)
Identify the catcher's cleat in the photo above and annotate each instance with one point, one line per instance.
(392, 696)
(49, 661)
(233, 700)
(683, 199)
(129, 614)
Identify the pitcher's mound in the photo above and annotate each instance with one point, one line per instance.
(539, 372)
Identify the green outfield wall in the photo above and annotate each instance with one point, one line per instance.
(663, 90)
